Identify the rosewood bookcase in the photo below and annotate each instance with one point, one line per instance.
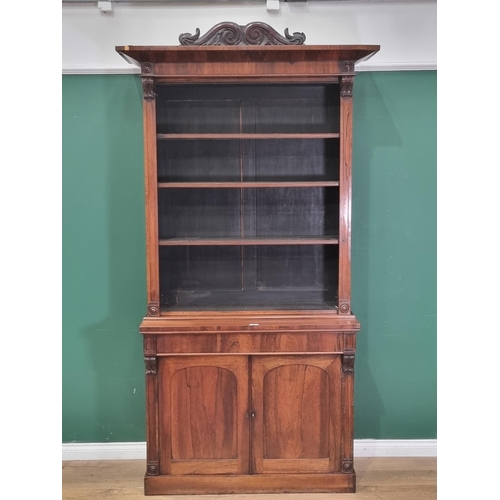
(249, 338)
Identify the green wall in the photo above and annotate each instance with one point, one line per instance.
(394, 257)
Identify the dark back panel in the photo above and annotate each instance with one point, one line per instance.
(198, 161)
(199, 213)
(293, 160)
(279, 108)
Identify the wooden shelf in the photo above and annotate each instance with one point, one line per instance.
(273, 184)
(263, 240)
(249, 136)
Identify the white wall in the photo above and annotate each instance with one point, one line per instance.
(405, 30)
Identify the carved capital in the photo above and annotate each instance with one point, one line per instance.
(344, 306)
(152, 470)
(255, 33)
(149, 343)
(348, 361)
(148, 89)
(151, 365)
(346, 84)
(347, 466)
(153, 309)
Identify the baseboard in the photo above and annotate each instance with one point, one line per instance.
(362, 448)
(395, 448)
(104, 451)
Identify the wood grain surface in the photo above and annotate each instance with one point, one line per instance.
(297, 405)
(204, 401)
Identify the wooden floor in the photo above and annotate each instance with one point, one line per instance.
(377, 478)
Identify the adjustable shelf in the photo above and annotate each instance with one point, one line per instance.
(263, 240)
(247, 184)
(267, 136)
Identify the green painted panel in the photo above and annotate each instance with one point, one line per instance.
(394, 261)
(394, 254)
(104, 289)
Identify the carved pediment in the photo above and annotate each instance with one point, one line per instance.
(255, 33)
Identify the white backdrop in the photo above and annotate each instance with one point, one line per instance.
(405, 30)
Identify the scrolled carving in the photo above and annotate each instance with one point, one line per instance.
(152, 470)
(255, 33)
(151, 365)
(262, 34)
(148, 89)
(346, 86)
(147, 67)
(189, 39)
(347, 466)
(221, 34)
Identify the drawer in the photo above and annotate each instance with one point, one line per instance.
(247, 343)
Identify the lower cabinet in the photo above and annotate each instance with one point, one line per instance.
(240, 415)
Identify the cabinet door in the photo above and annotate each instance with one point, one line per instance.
(296, 424)
(203, 415)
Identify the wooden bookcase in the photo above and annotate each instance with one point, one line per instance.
(249, 338)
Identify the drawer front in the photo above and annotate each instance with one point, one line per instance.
(248, 343)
